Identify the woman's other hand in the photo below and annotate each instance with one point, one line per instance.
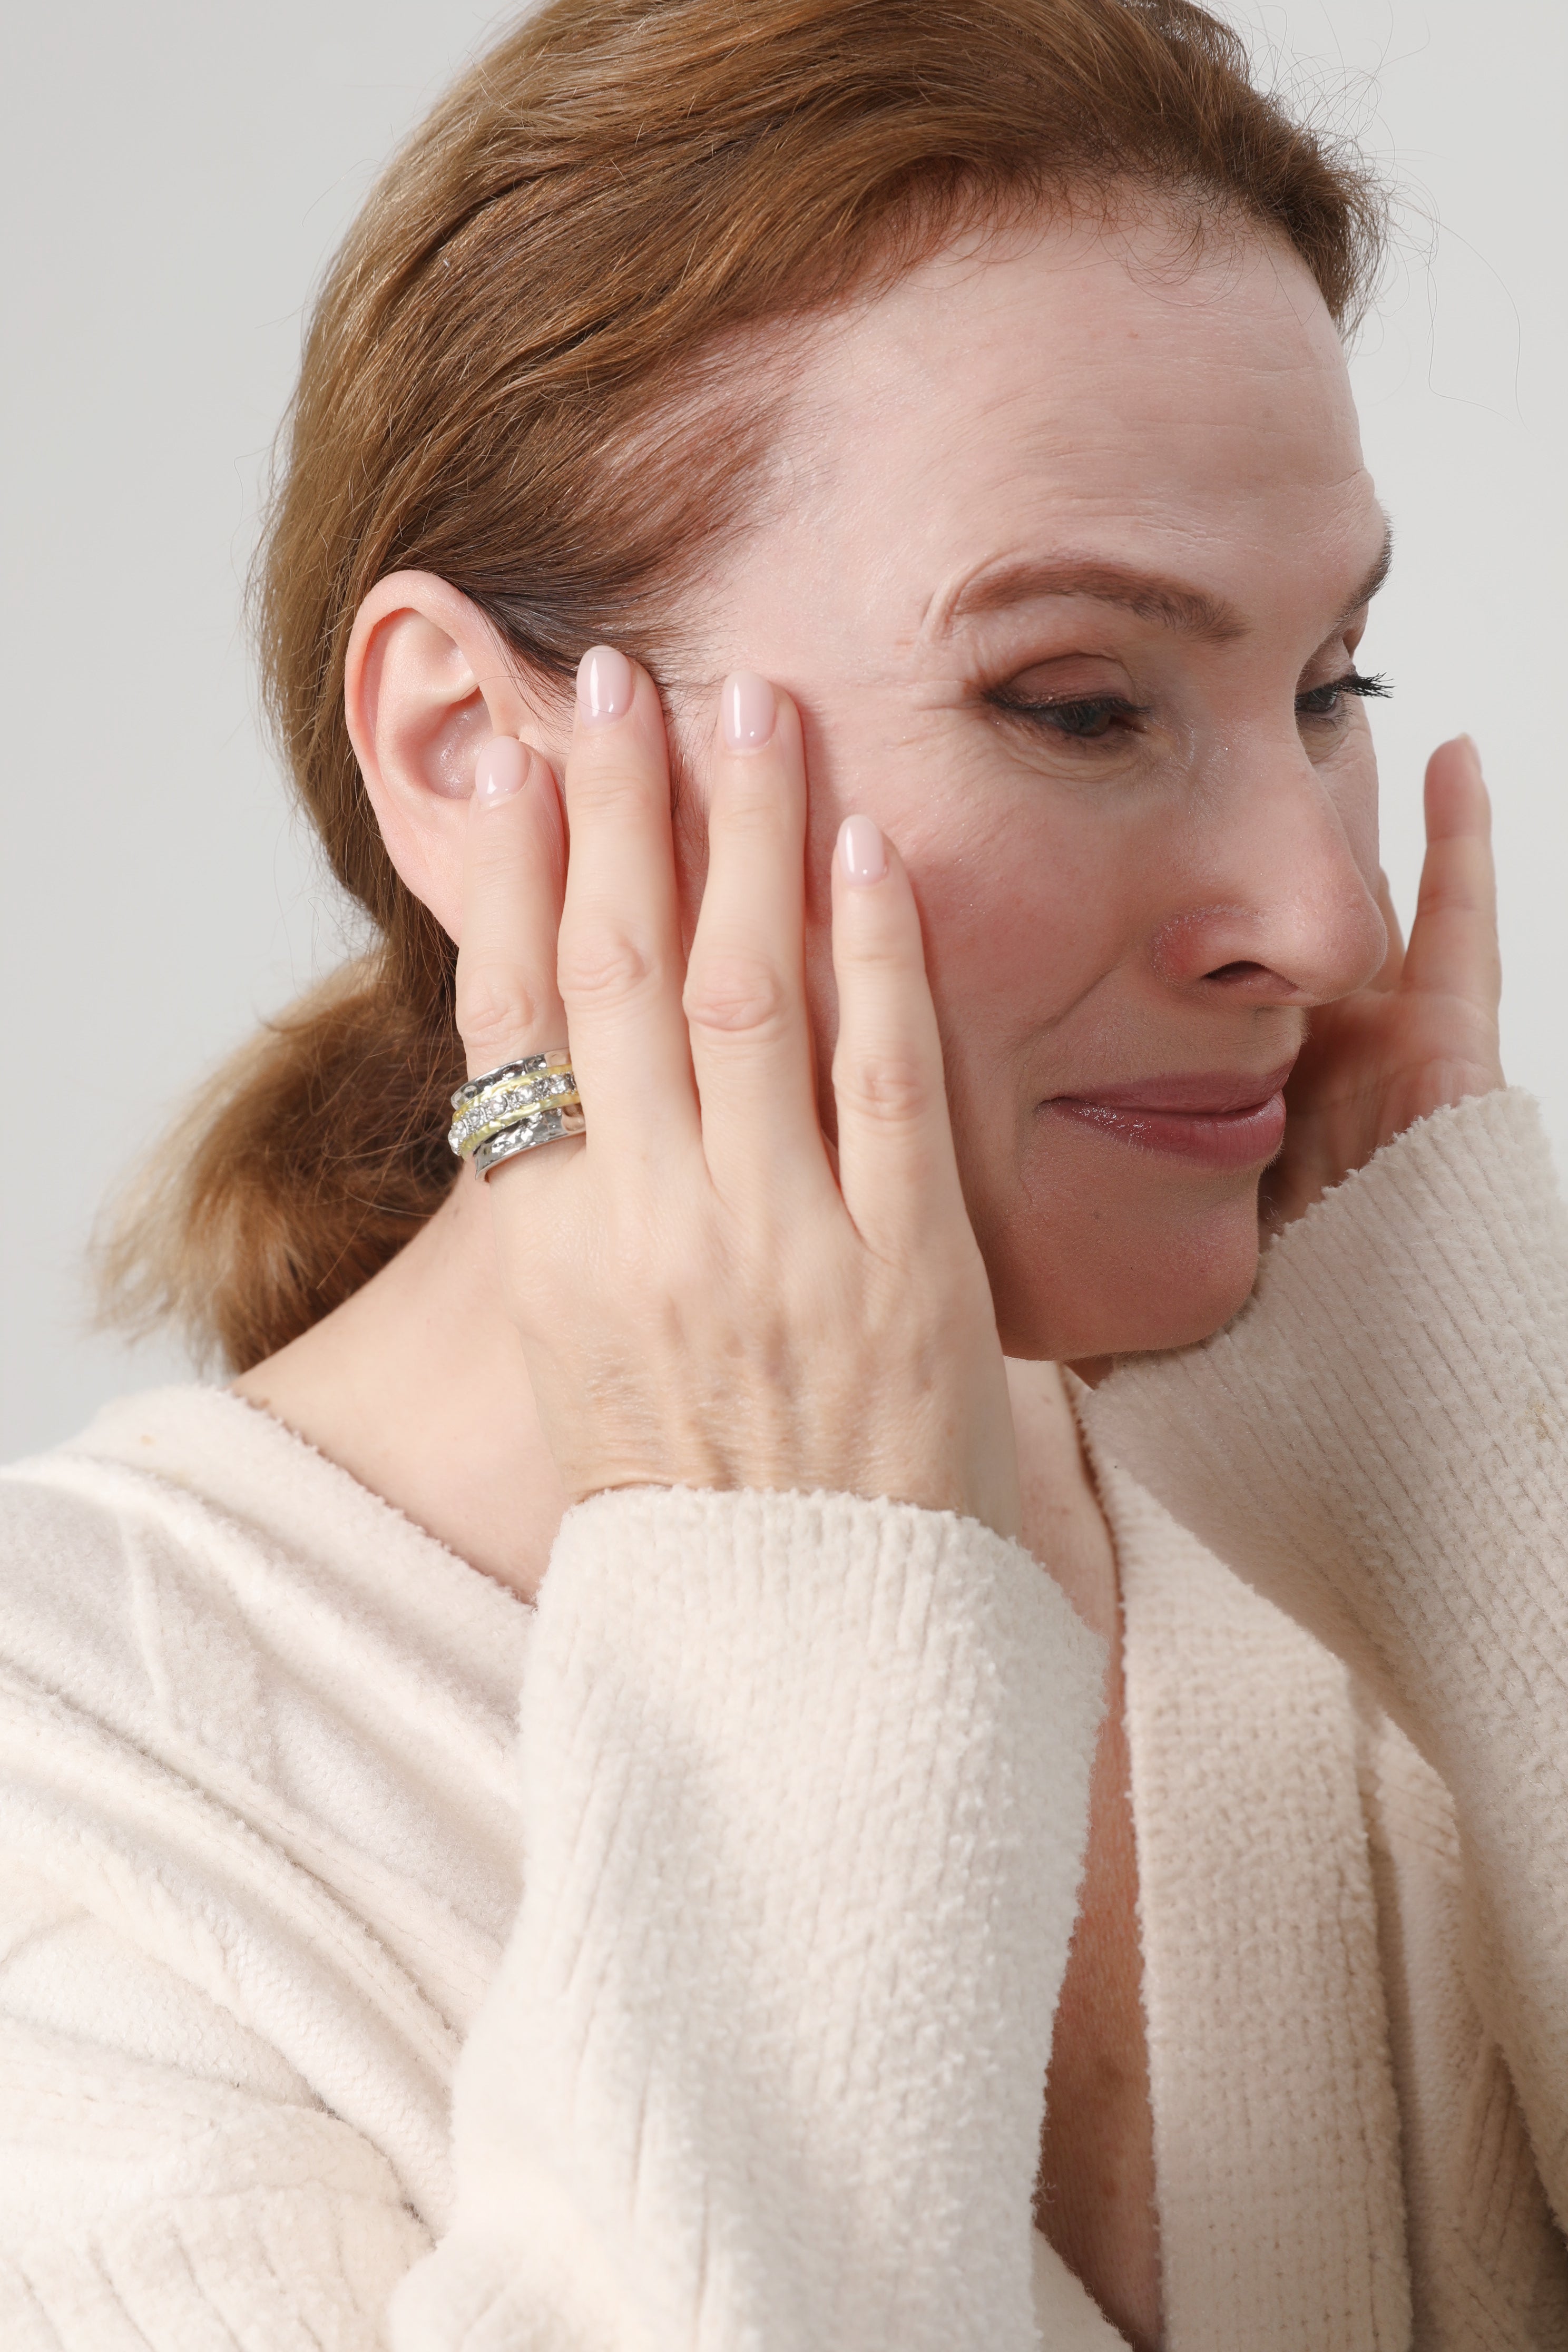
(1425, 1032)
(704, 1299)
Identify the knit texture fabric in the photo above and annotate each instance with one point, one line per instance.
(1377, 1446)
(386, 1964)
(764, 2057)
(752, 1942)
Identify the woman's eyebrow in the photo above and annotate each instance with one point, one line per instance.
(1375, 578)
(1173, 603)
(1195, 612)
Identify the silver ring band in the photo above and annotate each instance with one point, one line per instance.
(528, 1067)
(527, 1135)
(514, 1107)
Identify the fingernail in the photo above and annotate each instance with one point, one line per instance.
(501, 770)
(862, 849)
(749, 708)
(605, 684)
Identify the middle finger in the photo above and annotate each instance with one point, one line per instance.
(620, 964)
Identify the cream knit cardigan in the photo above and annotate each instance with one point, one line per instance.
(712, 2009)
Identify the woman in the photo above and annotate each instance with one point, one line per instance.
(947, 403)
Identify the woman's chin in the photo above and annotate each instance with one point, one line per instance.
(1097, 1285)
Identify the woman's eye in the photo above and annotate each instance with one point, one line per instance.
(1328, 700)
(1085, 719)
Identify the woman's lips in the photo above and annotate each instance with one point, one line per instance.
(1219, 1118)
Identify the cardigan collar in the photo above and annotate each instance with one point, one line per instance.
(1276, 2126)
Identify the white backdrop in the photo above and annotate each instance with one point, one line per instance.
(175, 176)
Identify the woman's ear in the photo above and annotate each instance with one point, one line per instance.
(427, 682)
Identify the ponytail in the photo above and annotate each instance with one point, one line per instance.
(317, 1150)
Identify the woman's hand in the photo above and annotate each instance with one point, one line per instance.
(703, 1298)
(1424, 1032)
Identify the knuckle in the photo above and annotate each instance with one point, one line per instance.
(610, 792)
(869, 950)
(747, 806)
(1452, 894)
(882, 944)
(494, 1008)
(601, 969)
(888, 1089)
(735, 993)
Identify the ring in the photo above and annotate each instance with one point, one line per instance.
(515, 1107)
(513, 1091)
(545, 1127)
(528, 1066)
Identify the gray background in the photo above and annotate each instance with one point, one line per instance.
(177, 173)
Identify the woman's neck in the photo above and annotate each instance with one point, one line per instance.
(417, 1387)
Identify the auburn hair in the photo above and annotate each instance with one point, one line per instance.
(521, 310)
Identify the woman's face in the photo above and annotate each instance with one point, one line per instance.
(1066, 551)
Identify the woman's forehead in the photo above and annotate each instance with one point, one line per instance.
(1081, 354)
(1079, 400)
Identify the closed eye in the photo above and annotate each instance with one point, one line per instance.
(1092, 719)
(1083, 719)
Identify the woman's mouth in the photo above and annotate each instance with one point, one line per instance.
(1218, 1119)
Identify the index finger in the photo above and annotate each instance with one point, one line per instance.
(1453, 949)
(897, 1169)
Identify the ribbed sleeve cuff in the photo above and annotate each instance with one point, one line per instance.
(804, 1799)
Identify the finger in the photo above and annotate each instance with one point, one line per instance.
(1453, 949)
(507, 1003)
(620, 966)
(897, 1167)
(745, 978)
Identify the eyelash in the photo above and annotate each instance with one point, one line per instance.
(1352, 682)
(1059, 718)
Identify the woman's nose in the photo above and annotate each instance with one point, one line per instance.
(1277, 909)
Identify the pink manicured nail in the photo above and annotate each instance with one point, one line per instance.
(605, 684)
(501, 770)
(862, 849)
(750, 708)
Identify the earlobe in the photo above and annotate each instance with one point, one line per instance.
(427, 682)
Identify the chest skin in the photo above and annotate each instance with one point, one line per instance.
(1094, 2198)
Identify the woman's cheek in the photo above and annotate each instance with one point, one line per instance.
(1023, 913)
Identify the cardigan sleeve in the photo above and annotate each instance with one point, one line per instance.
(805, 1800)
(1379, 1444)
(803, 1796)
